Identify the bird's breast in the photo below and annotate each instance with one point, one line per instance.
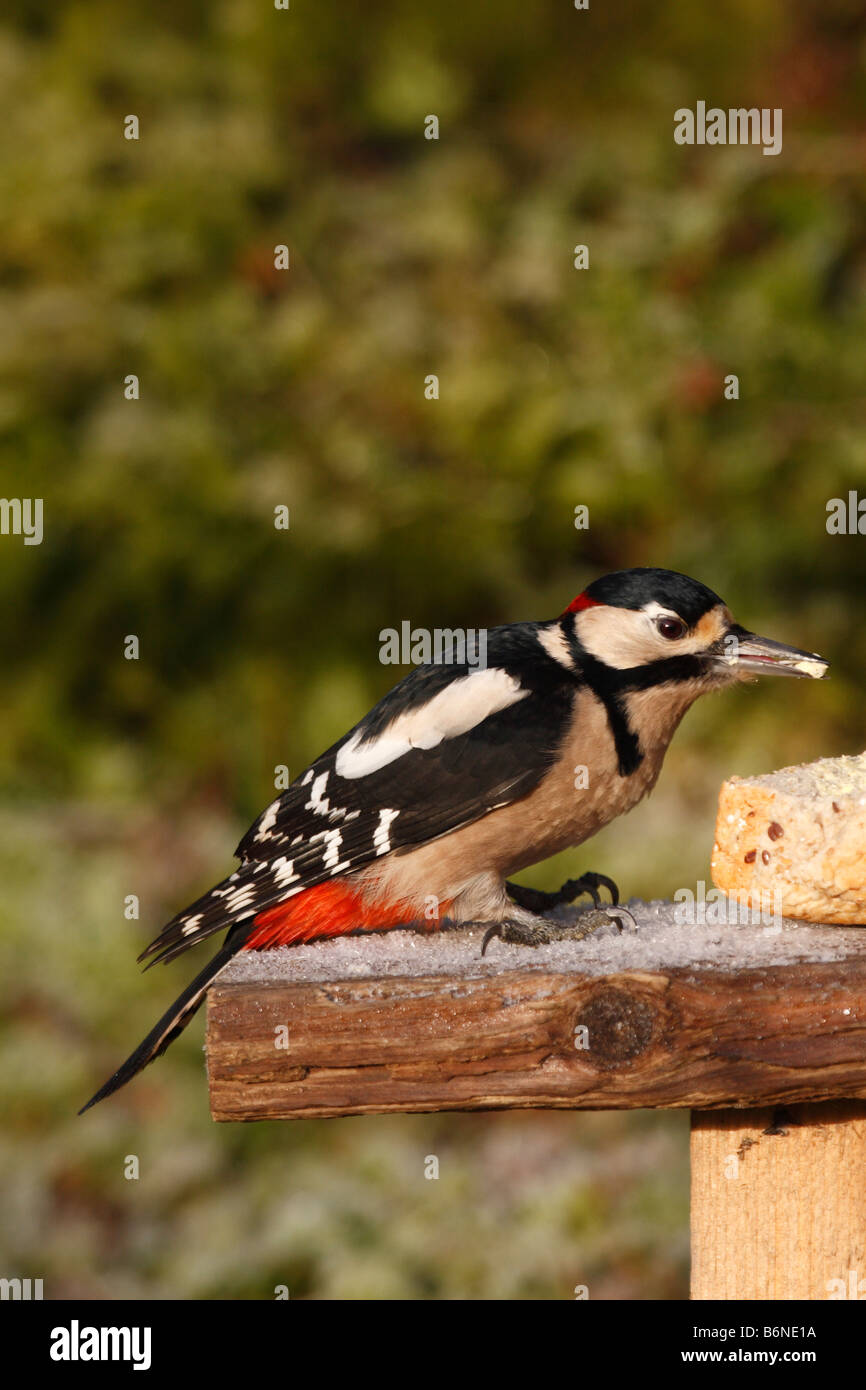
(582, 792)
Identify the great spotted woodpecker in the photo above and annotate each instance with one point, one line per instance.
(461, 776)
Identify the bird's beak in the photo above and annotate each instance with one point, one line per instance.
(745, 653)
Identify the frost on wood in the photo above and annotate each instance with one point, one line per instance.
(663, 1014)
(660, 943)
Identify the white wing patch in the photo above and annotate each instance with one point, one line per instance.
(468, 701)
(283, 871)
(381, 838)
(318, 802)
(268, 820)
(333, 839)
(241, 897)
(355, 759)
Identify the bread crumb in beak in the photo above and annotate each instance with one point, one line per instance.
(811, 666)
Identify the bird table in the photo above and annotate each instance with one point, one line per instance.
(759, 1028)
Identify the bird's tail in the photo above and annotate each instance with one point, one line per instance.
(172, 1022)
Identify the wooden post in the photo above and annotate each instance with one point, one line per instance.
(770, 1054)
(779, 1202)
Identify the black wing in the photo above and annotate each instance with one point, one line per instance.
(328, 823)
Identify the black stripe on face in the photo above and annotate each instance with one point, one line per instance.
(611, 686)
(628, 750)
(669, 669)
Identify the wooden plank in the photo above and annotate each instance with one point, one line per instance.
(779, 1202)
(496, 1037)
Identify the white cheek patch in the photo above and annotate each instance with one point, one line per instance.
(625, 637)
(468, 701)
(619, 637)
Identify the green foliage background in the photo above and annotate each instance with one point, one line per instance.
(258, 647)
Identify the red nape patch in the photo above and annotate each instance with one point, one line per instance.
(329, 909)
(582, 601)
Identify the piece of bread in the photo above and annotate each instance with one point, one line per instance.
(801, 831)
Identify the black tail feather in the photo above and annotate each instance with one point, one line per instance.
(172, 1023)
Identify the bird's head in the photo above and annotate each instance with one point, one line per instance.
(665, 626)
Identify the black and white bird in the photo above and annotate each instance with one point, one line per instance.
(463, 774)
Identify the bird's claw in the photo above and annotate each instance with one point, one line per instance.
(535, 900)
(618, 914)
(588, 883)
(520, 933)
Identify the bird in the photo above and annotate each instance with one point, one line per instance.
(465, 773)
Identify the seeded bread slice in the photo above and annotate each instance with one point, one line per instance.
(801, 831)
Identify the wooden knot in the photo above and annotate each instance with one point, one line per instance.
(619, 1026)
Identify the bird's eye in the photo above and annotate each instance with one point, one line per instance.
(671, 628)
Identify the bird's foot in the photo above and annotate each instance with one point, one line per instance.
(541, 933)
(534, 900)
